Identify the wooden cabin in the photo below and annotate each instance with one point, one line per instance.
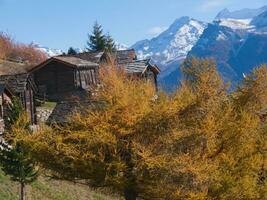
(16, 77)
(142, 69)
(64, 109)
(5, 99)
(59, 76)
(126, 59)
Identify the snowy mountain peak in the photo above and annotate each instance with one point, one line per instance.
(172, 44)
(120, 46)
(222, 14)
(245, 13)
(235, 24)
(49, 51)
(253, 20)
(179, 22)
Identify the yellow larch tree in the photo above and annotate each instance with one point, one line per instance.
(199, 143)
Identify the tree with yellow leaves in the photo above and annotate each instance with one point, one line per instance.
(196, 144)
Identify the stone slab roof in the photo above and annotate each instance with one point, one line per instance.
(122, 56)
(140, 66)
(70, 61)
(13, 68)
(65, 109)
(17, 83)
(76, 61)
(91, 56)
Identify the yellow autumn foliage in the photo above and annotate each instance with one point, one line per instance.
(202, 142)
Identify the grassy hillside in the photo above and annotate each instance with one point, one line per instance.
(44, 189)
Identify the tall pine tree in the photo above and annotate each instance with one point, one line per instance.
(97, 40)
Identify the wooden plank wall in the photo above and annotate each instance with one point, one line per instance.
(55, 78)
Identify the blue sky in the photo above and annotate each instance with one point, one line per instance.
(65, 23)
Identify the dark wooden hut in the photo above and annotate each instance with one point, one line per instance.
(142, 69)
(16, 77)
(126, 59)
(58, 76)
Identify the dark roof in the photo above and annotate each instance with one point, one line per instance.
(76, 61)
(91, 56)
(71, 61)
(122, 56)
(125, 58)
(140, 66)
(13, 68)
(63, 111)
(17, 83)
(79, 94)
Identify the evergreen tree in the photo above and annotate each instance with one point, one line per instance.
(17, 164)
(110, 44)
(97, 39)
(14, 159)
(72, 51)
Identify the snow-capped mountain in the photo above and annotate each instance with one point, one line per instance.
(48, 51)
(236, 40)
(235, 23)
(171, 47)
(173, 44)
(242, 19)
(79, 50)
(240, 14)
(120, 46)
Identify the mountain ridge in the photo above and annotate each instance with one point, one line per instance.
(226, 39)
(245, 13)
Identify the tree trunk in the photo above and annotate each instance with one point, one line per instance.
(22, 188)
(130, 194)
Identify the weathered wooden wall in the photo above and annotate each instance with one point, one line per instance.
(55, 78)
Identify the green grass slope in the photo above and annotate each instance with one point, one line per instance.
(45, 189)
